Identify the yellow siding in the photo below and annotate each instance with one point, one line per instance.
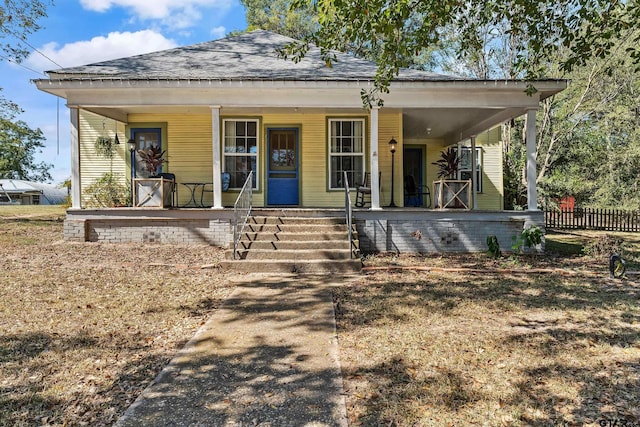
(93, 166)
(189, 148)
(491, 197)
(189, 155)
(390, 126)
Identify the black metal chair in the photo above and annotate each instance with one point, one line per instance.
(416, 195)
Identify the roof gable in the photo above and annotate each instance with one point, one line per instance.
(249, 56)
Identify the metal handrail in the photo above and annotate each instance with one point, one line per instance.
(243, 203)
(348, 210)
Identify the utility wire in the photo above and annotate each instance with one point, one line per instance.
(13, 61)
(22, 40)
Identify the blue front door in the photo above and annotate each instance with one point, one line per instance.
(282, 167)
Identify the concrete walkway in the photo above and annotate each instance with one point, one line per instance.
(267, 357)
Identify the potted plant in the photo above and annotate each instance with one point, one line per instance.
(448, 164)
(153, 159)
(449, 192)
(156, 190)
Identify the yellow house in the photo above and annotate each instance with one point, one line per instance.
(223, 109)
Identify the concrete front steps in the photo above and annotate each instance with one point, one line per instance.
(284, 244)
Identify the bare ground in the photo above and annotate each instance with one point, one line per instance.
(85, 326)
(448, 341)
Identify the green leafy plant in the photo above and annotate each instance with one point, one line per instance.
(494, 247)
(107, 191)
(153, 159)
(104, 147)
(530, 236)
(448, 163)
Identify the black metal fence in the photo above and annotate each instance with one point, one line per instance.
(593, 219)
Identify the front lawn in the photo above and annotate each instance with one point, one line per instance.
(86, 326)
(520, 341)
(517, 341)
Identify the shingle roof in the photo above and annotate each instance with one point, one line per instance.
(249, 56)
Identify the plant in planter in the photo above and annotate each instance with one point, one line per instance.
(154, 191)
(153, 159)
(450, 193)
(448, 164)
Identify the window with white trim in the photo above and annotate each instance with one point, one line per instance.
(346, 152)
(464, 168)
(240, 150)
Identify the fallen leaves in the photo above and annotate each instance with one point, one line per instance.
(85, 326)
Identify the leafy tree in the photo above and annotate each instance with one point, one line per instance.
(399, 30)
(18, 19)
(277, 16)
(18, 142)
(18, 145)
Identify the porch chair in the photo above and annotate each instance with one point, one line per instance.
(171, 177)
(416, 195)
(365, 188)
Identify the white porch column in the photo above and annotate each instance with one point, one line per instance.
(474, 187)
(217, 170)
(76, 192)
(532, 191)
(375, 184)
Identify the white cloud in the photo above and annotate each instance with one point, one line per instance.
(115, 45)
(218, 32)
(165, 10)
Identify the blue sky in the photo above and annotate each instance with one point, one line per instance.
(79, 32)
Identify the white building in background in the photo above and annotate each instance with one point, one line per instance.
(18, 192)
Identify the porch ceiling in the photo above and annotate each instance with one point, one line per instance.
(453, 124)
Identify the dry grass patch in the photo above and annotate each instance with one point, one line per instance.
(459, 348)
(86, 326)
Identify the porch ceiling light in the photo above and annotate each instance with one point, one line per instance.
(392, 145)
(132, 145)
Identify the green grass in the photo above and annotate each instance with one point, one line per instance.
(32, 211)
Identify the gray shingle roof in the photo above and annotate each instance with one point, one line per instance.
(249, 56)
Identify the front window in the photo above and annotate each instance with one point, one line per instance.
(464, 170)
(240, 151)
(346, 152)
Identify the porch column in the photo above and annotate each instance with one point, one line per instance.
(217, 170)
(532, 191)
(474, 191)
(375, 184)
(76, 192)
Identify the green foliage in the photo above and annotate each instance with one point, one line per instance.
(18, 19)
(448, 163)
(493, 247)
(18, 146)
(104, 147)
(108, 191)
(276, 16)
(530, 237)
(399, 31)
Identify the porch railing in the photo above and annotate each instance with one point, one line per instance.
(242, 211)
(348, 210)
